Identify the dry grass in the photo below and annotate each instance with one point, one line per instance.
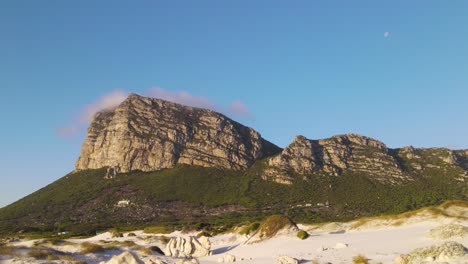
(360, 259)
(126, 243)
(399, 219)
(145, 251)
(41, 254)
(6, 250)
(71, 259)
(87, 247)
(451, 203)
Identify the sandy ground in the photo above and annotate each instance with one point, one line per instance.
(378, 241)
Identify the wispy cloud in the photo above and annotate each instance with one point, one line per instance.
(114, 98)
(386, 34)
(108, 101)
(238, 108)
(182, 97)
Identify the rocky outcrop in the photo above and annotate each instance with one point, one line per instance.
(333, 156)
(448, 251)
(186, 248)
(150, 134)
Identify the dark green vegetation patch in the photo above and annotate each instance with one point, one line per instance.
(212, 200)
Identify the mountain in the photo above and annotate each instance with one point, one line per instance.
(151, 134)
(153, 162)
(366, 156)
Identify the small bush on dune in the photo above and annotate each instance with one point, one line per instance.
(131, 235)
(273, 224)
(250, 228)
(360, 259)
(87, 247)
(302, 234)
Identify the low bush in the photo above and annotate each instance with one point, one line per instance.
(272, 224)
(302, 234)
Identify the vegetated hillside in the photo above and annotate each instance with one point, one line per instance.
(85, 201)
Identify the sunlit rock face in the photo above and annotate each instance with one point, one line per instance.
(150, 134)
(333, 156)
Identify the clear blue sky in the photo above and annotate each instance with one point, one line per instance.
(316, 68)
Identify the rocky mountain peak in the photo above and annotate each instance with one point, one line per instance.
(333, 156)
(149, 134)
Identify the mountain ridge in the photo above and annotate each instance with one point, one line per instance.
(178, 165)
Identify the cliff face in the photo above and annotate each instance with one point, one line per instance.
(363, 155)
(151, 134)
(333, 156)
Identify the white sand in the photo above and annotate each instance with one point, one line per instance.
(378, 242)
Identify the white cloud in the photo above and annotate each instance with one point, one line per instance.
(108, 101)
(386, 34)
(239, 108)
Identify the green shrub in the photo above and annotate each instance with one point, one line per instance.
(250, 228)
(131, 235)
(302, 234)
(87, 247)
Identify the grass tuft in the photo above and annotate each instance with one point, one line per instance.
(87, 247)
(273, 224)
